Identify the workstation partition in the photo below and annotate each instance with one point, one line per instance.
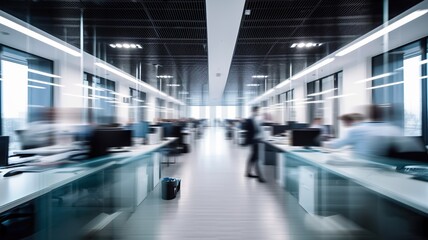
(82, 200)
(366, 191)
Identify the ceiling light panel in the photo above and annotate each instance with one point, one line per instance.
(126, 45)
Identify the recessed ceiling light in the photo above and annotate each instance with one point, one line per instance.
(164, 76)
(125, 45)
(307, 45)
(260, 76)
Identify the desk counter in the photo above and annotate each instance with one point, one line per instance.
(22, 188)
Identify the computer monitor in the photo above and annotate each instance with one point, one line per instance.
(279, 129)
(4, 151)
(104, 139)
(166, 130)
(306, 137)
(140, 129)
(299, 126)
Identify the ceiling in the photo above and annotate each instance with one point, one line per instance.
(173, 34)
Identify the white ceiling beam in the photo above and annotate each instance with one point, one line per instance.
(223, 22)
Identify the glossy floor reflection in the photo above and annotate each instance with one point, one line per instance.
(217, 202)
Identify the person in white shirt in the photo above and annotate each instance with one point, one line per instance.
(372, 138)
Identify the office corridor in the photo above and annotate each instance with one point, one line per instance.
(216, 200)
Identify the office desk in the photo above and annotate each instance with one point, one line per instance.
(368, 192)
(111, 184)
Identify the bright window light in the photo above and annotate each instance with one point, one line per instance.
(37, 87)
(46, 83)
(383, 31)
(386, 85)
(43, 73)
(37, 36)
(374, 78)
(321, 93)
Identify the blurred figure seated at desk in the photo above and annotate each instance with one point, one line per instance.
(318, 123)
(371, 138)
(40, 132)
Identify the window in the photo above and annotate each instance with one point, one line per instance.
(100, 99)
(400, 90)
(26, 93)
(321, 101)
(138, 109)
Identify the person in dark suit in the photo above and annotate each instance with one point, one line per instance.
(253, 137)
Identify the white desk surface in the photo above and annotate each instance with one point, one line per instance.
(24, 187)
(382, 179)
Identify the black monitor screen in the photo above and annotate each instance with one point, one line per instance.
(306, 137)
(278, 129)
(103, 139)
(299, 126)
(166, 130)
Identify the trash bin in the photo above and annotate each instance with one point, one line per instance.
(170, 187)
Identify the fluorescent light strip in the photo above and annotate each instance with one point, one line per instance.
(92, 88)
(374, 78)
(36, 106)
(386, 85)
(297, 100)
(269, 91)
(424, 77)
(317, 101)
(43, 73)
(260, 76)
(321, 93)
(137, 100)
(119, 94)
(37, 36)
(341, 96)
(33, 86)
(46, 83)
(297, 76)
(78, 96)
(312, 68)
(132, 79)
(101, 97)
(423, 61)
(382, 32)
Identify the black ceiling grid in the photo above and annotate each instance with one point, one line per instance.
(173, 35)
(265, 37)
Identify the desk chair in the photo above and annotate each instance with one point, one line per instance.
(174, 149)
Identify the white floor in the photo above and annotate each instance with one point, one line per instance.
(218, 202)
